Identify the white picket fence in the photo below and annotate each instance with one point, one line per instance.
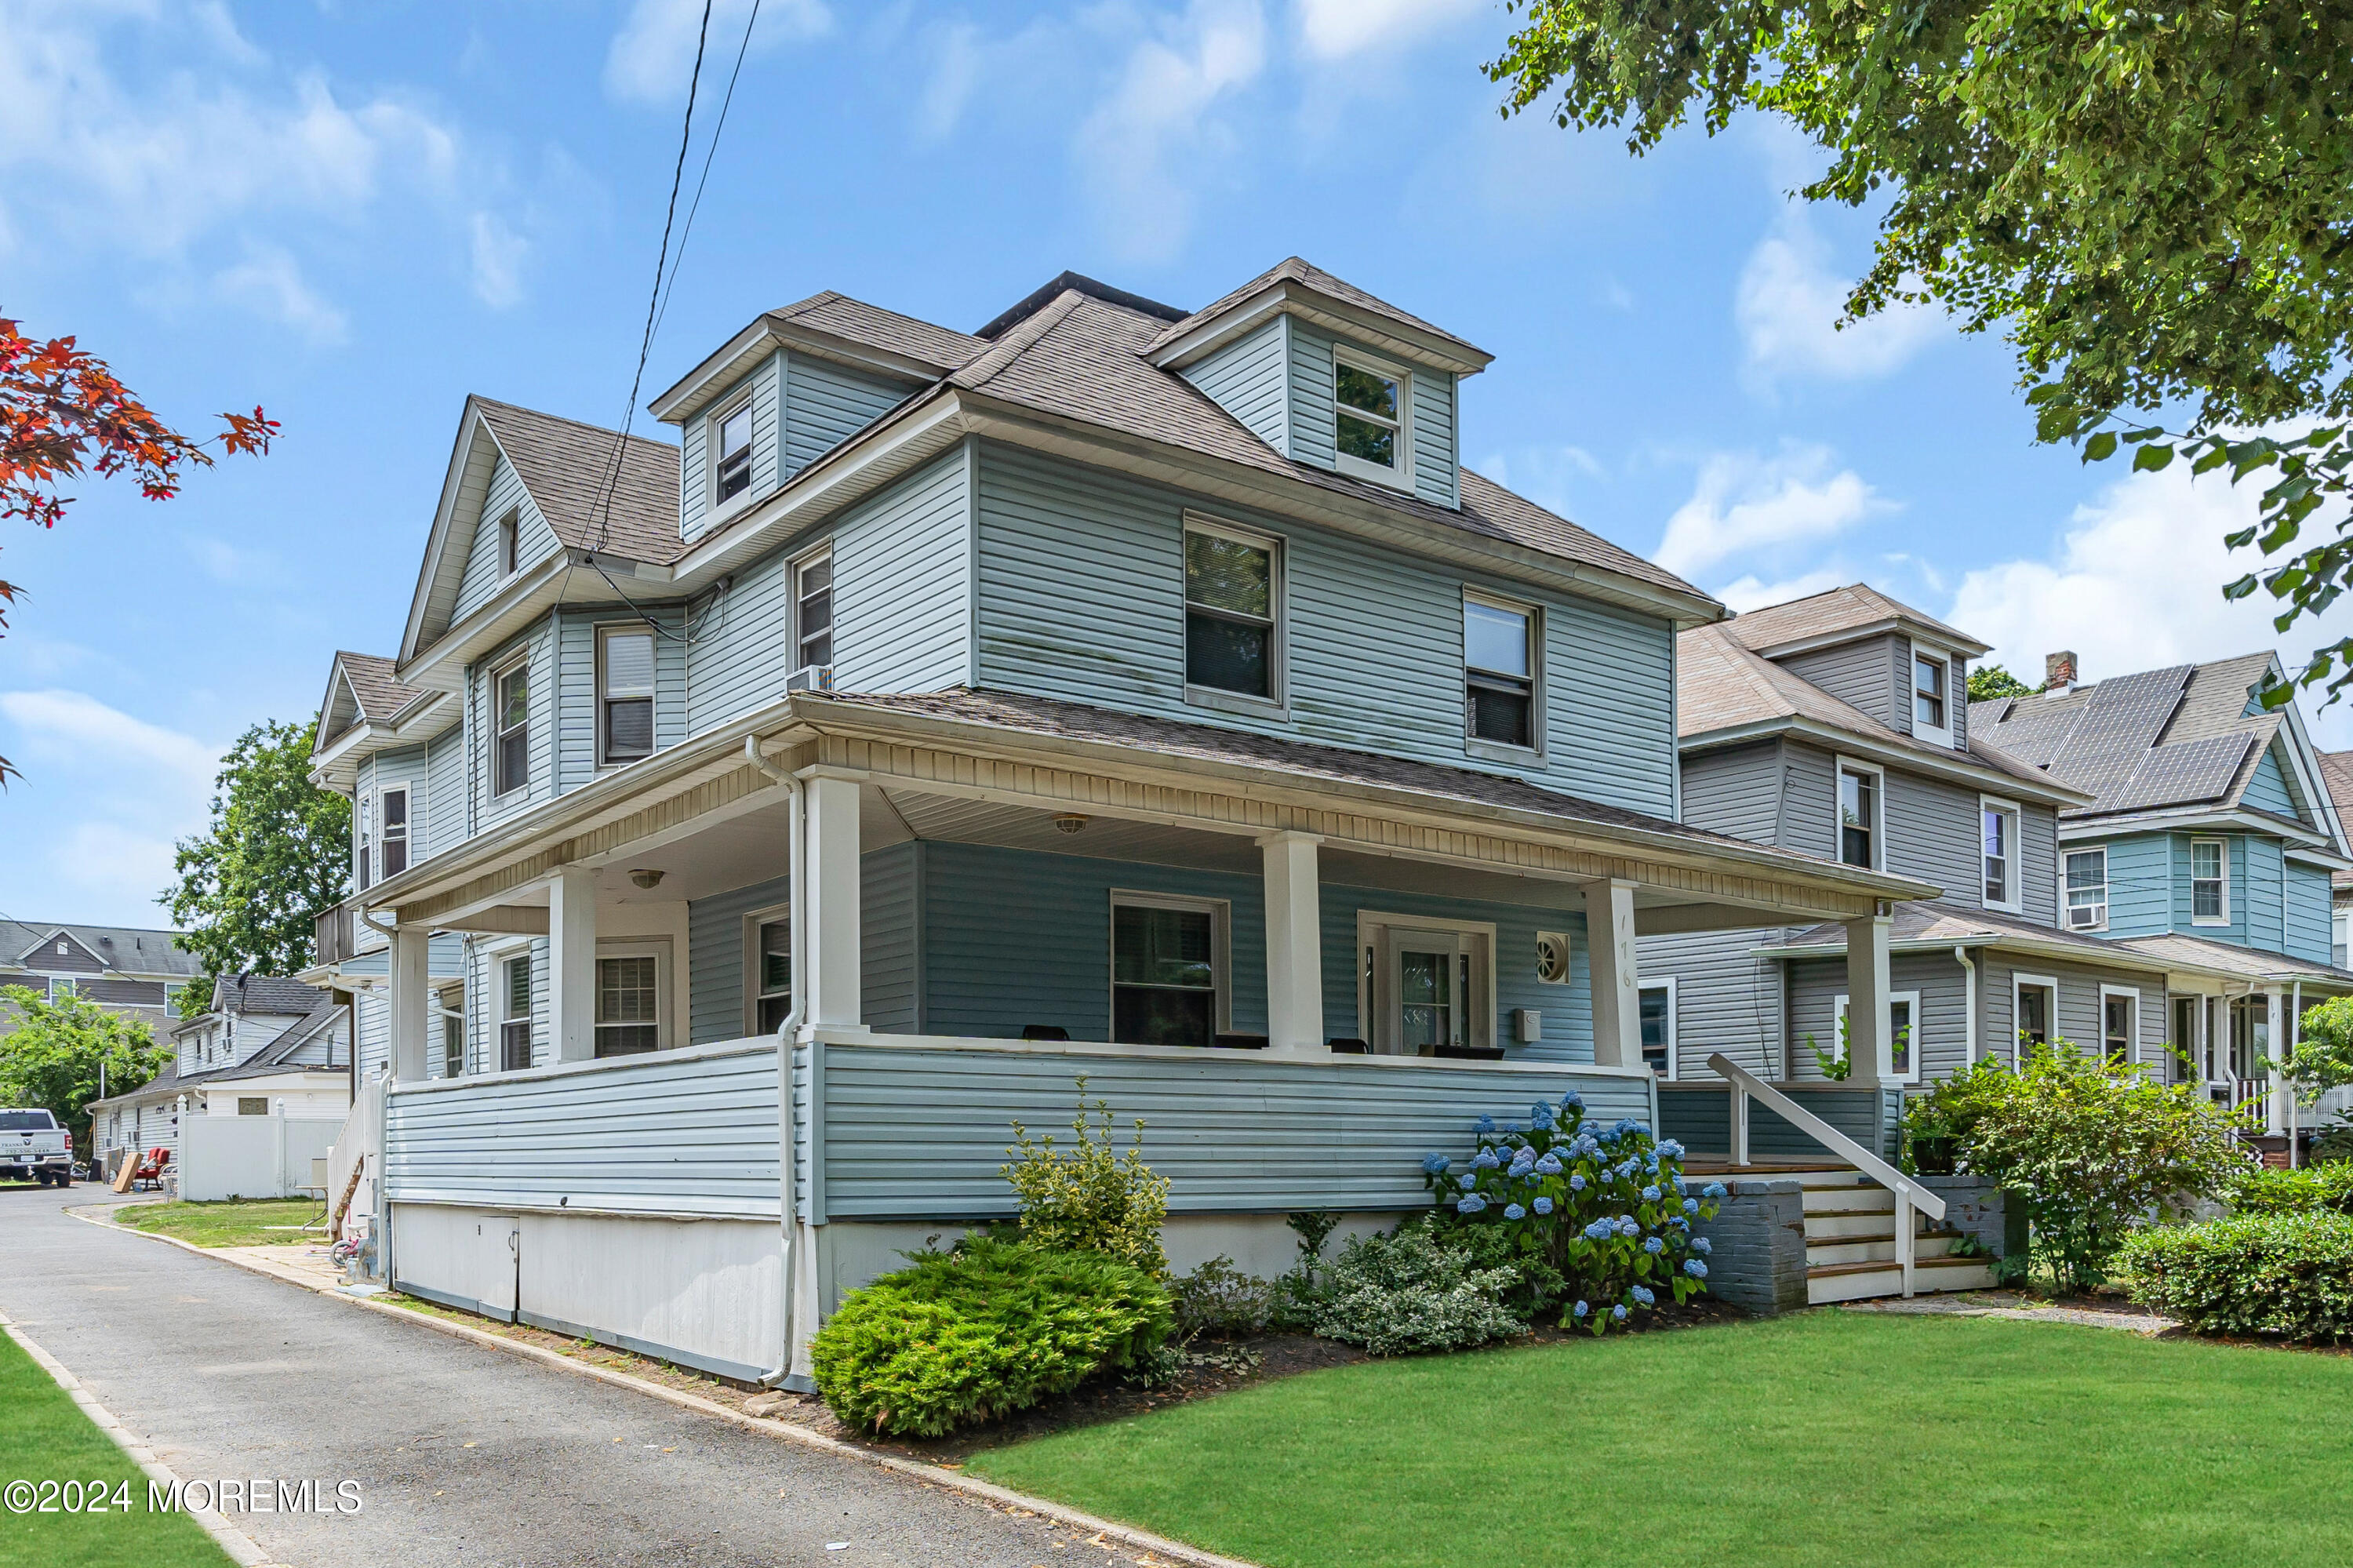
(250, 1156)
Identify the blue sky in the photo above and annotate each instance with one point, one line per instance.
(355, 213)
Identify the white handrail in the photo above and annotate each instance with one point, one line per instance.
(1908, 1197)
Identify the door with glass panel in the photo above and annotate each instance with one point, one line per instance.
(1429, 991)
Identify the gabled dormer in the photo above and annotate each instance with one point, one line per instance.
(786, 389)
(1878, 655)
(1332, 377)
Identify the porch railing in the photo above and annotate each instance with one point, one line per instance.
(1746, 1086)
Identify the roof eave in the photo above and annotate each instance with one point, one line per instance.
(1285, 295)
(1960, 770)
(1946, 638)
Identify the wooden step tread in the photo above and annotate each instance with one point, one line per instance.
(1825, 1270)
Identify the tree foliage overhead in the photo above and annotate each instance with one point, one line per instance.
(51, 1058)
(2155, 204)
(1987, 682)
(275, 855)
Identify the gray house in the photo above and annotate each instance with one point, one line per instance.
(127, 970)
(751, 829)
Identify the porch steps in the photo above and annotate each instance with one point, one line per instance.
(1850, 1243)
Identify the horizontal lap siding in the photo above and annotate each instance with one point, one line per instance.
(1933, 834)
(1701, 1120)
(1249, 378)
(825, 403)
(2140, 885)
(1315, 429)
(916, 1133)
(2265, 884)
(655, 1134)
(2038, 833)
(2267, 789)
(576, 736)
(1862, 674)
(1736, 791)
(444, 790)
(536, 540)
(695, 514)
(890, 949)
(536, 647)
(2079, 1018)
(1940, 1034)
(1610, 706)
(2308, 934)
(1727, 998)
(1436, 478)
(1809, 802)
(900, 585)
(714, 939)
(742, 650)
(1566, 1009)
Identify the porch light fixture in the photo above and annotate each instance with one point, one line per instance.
(648, 879)
(1069, 822)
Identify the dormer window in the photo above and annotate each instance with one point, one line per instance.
(1932, 675)
(1374, 435)
(731, 452)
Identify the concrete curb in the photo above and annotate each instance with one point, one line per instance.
(243, 1548)
(932, 1475)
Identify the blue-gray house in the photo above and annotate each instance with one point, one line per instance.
(750, 828)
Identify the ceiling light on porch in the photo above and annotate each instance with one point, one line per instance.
(1069, 822)
(647, 878)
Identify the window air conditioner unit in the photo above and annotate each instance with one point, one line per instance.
(811, 678)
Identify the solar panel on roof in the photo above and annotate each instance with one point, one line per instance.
(2122, 719)
(2184, 771)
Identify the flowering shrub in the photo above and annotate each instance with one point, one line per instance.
(1089, 1198)
(1608, 1213)
(1408, 1291)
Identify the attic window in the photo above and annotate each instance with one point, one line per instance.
(1374, 438)
(731, 452)
(510, 544)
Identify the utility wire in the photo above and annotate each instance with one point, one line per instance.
(718, 129)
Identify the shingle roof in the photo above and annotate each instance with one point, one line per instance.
(1721, 686)
(263, 993)
(378, 694)
(567, 466)
(1297, 269)
(943, 348)
(1825, 614)
(2197, 952)
(2337, 774)
(1935, 925)
(129, 949)
(2176, 737)
(1081, 359)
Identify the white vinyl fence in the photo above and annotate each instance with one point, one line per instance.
(250, 1156)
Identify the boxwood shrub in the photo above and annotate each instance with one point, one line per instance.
(2282, 1276)
(962, 1336)
(2267, 1191)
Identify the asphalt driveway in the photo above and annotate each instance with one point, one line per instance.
(463, 1456)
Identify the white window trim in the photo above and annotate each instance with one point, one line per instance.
(438, 1052)
(1878, 811)
(1912, 1074)
(752, 920)
(606, 633)
(495, 1007)
(1370, 923)
(1941, 734)
(1401, 477)
(2224, 845)
(1221, 967)
(2132, 1049)
(2020, 981)
(1500, 750)
(1665, 983)
(2066, 910)
(2013, 873)
(408, 825)
(794, 567)
(712, 423)
(1278, 599)
(508, 543)
(498, 734)
(655, 949)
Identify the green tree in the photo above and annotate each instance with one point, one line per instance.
(1990, 680)
(2322, 1058)
(51, 1058)
(277, 853)
(2155, 204)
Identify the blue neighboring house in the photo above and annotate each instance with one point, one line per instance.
(751, 828)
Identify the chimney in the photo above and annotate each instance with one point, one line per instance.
(2058, 671)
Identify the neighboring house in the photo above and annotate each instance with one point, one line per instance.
(2211, 842)
(1836, 725)
(136, 972)
(266, 1046)
(2336, 772)
(1116, 691)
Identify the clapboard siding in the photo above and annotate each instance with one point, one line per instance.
(902, 579)
(742, 651)
(1700, 1116)
(1081, 585)
(575, 739)
(1315, 432)
(717, 1006)
(2307, 913)
(890, 949)
(535, 541)
(1736, 791)
(911, 1132)
(1249, 378)
(2140, 884)
(716, 940)
(667, 1133)
(825, 403)
(2078, 1018)
(696, 513)
(1932, 835)
(2264, 917)
(1567, 1008)
(536, 647)
(1939, 1034)
(1862, 674)
(2038, 837)
(1436, 478)
(1727, 998)
(1810, 802)
(2267, 788)
(446, 824)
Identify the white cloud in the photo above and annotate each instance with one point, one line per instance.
(1744, 503)
(270, 282)
(652, 57)
(1159, 110)
(1750, 592)
(1787, 306)
(1334, 29)
(75, 725)
(2134, 582)
(497, 253)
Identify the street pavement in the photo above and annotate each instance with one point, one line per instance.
(464, 1455)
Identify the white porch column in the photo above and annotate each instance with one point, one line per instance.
(1868, 1025)
(1615, 968)
(2276, 1102)
(571, 964)
(833, 923)
(1294, 945)
(411, 1004)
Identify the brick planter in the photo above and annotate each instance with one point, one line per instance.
(1981, 1211)
(1759, 1237)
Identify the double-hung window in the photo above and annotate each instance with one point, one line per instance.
(1166, 970)
(1997, 830)
(629, 1003)
(1498, 664)
(511, 762)
(1903, 1035)
(392, 809)
(363, 834)
(1929, 673)
(2119, 1023)
(772, 972)
(452, 1008)
(1658, 1004)
(1233, 596)
(2087, 890)
(1374, 431)
(1858, 816)
(731, 452)
(625, 693)
(514, 1017)
(2210, 882)
(509, 543)
(813, 612)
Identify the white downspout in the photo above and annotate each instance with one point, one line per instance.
(1968, 1005)
(795, 1241)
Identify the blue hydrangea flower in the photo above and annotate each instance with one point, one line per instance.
(1513, 1128)
(1576, 1183)
(1618, 1312)
(1571, 1101)
(1544, 1205)
(1468, 1204)
(1627, 1227)
(1540, 1114)
(1679, 1181)
(1435, 1164)
(1468, 1179)
(1579, 1310)
(1651, 1164)
(1645, 1296)
(1701, 1245)
(1695, 1268)
(1516, 1212)
(1670, 1150)
(1650, 1194)
(1485, 1124)
(1485, 1160)
(1713, 1189)
(1549, 1165)
(1678, 1222)
(1654, 1246)
(1628, 1124)
(1599, 1229)
(1691, 1205)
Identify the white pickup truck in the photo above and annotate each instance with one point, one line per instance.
(33, 1144)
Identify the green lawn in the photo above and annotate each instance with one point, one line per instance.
(44, 1436)
(235, 1223)
(1822, 1438)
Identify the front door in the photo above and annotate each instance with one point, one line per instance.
(1428, 984)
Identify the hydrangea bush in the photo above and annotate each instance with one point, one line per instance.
(1608, 1211)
